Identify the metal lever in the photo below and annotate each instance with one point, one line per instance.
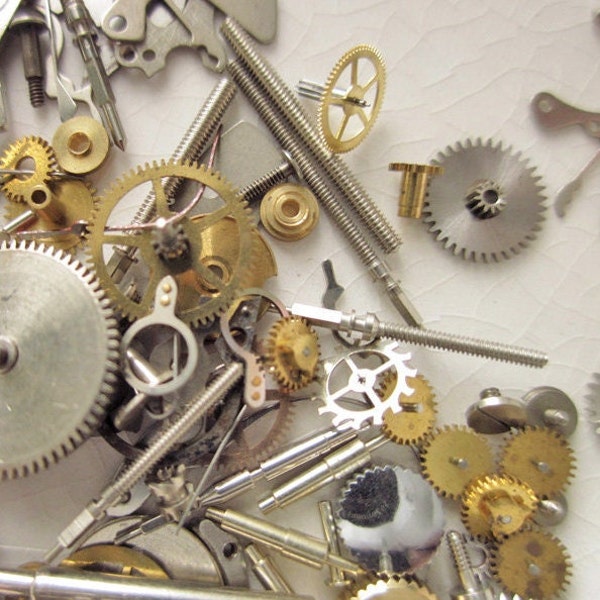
(553, 113)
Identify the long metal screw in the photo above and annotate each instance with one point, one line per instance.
(471, 587)
(255, 191)
(278, 127)
(294, 116)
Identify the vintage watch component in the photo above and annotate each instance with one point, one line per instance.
(494, 413)
(289, 212)
(337, 577)
(540, 457)
(488, 206)
(351, 98)
(57, 209)
(42, 423)
(593, 399)
(551, 112)
(139, 336)
(393, 588)
(453, 456)
(292, 353)
(81, 145)
(417, 415)
(265, 570)
(550, 407)
(391, 519)
(30, 149)
(413, 189)
(497, 506)
(551, 511)
(568, 192)
(353, 380)
(205, 288)
(172, 491)
(532, 564)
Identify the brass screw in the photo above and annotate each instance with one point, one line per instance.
(414, 187)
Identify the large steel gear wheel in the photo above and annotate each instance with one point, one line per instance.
(488, 205)
(207, 284)
(453, 456)
(58, 357)
(497, 506)
(394, 589)
(532, 564)
(28, 153)
(540, 457)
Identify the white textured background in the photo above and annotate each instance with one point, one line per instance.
(456, 69)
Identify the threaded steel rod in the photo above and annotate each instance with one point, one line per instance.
(340, 216)
(286, 102)
(256, 190)
(462, 562)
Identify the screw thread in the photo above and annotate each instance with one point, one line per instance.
(36, 91)
(294, 115)
(255, 191)
(462, 562)
(463, 344)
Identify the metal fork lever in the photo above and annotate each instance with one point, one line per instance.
(553, 113)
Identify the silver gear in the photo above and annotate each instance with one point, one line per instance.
(58, 356)
(488, 206)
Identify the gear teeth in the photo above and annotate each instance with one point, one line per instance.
(395, 587)
(541, 457)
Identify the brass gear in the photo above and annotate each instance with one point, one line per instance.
(292, 352)
(541, 457)
(393, 589)
(453, 456)
(206, 289)
(497, 506)
(37, 150)
(72, 199)
(350, 103)
(532, 564)
(417, 415)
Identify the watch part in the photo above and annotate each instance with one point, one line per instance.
(550, 407)
(453, 456)
(41, 423)
(532, 564)
(391, 517)
(551, 511)
(81, 145)
(393, 588)
(540, 457)
(593, 399)
(413, 190)
(488, 205)
(494, 413)
(497, 506)
(417, 416)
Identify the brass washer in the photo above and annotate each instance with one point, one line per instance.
(81, 145)
(289, 212)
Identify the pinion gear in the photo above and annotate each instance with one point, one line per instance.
(394, 588)
(49, 406)
(488, 206)
(532, 564)
(540, 457)
(207, 286)
(292, 352)
(453, 456)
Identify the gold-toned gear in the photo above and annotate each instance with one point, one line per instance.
(541, 457)
(206, 288)
(292, 352)
(393, 589)
(336, 111)
(497, 506)
(68, 200)
(81, 145)
(532, 564)
(27, 149)
(453, 456)
(417, 415)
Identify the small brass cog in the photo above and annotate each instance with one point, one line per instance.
(532, 564)
(332, 123)
(292, 352)
(497, 506)
(394, 588)
(541, 457)
(207, 286)
(417, 416)
(453, 456)
(29, 148)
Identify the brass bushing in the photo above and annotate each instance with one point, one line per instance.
(413, 189)
(289, 211)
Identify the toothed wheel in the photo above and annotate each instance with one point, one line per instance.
(453, 456)
(532, 564)
(207, 285)
(488, 205)
(540, 457)
(31, 153)
(497, 506)
(394, 589)
(58, 357)
(292, 352)
(417, 415)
